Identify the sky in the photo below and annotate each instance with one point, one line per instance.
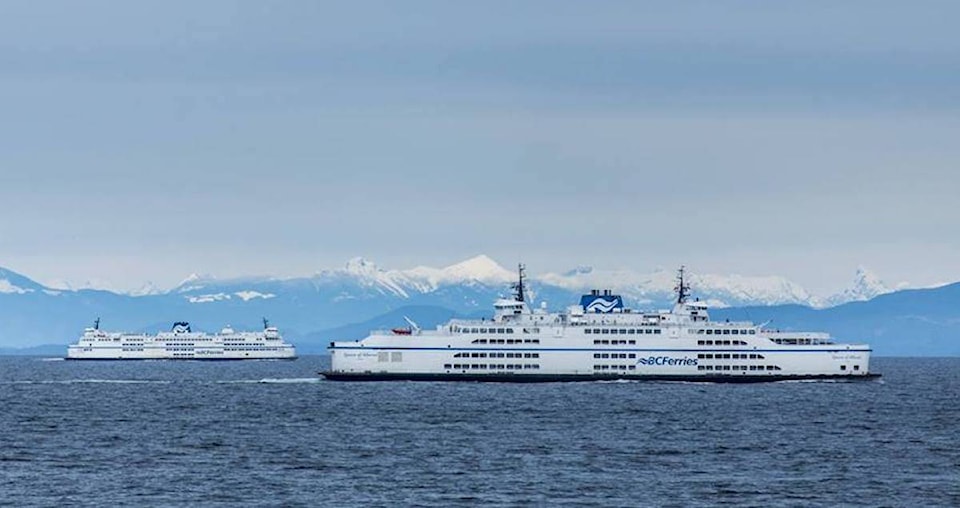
(144, 141)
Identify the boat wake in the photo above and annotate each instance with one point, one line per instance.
(270, 380)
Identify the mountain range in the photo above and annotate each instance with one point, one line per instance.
(340, 302)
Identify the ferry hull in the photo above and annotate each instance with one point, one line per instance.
(562, 378)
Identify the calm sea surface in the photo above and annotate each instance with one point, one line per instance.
(273, 434)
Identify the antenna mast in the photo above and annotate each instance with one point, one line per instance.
(518, 287)
(682, 288)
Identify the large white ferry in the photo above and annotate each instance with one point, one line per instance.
(181, 343)
(599, 339)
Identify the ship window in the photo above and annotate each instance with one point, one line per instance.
(500, 330)
(856, 367)
(604, 331)
(605, 355)
(623, 331)
(613, 331)
(509, 330)
(701, 367)
(604, 341)
(726, 332)
(735, 332)
(753, 332)
(843, 367)
(631, 331)
(633, 342)
(596, 355)
(700, 342)
(587, 330)
(633, 355)
(447, 366)
(657, 331)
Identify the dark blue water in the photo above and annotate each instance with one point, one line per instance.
(272, 434)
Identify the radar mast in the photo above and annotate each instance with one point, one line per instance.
(518, 288)
(682, 288)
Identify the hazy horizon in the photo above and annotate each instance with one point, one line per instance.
(148, 141)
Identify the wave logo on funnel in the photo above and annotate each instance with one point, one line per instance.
(601, 303)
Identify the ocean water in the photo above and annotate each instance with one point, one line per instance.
(274, 434)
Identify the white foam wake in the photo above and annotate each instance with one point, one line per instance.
(273, 380)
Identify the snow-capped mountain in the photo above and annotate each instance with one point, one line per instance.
(13, 283)
(471, 284)
(866, 285)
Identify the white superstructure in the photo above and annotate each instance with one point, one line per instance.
(597, 339)
(181, 343)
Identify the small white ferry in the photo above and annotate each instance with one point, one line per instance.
(599, 339)
(181, 343)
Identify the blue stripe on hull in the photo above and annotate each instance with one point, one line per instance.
(174, 359)
(601, 349)
(552, 378)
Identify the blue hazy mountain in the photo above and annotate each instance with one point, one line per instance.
(924, 322)
(348, 302)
